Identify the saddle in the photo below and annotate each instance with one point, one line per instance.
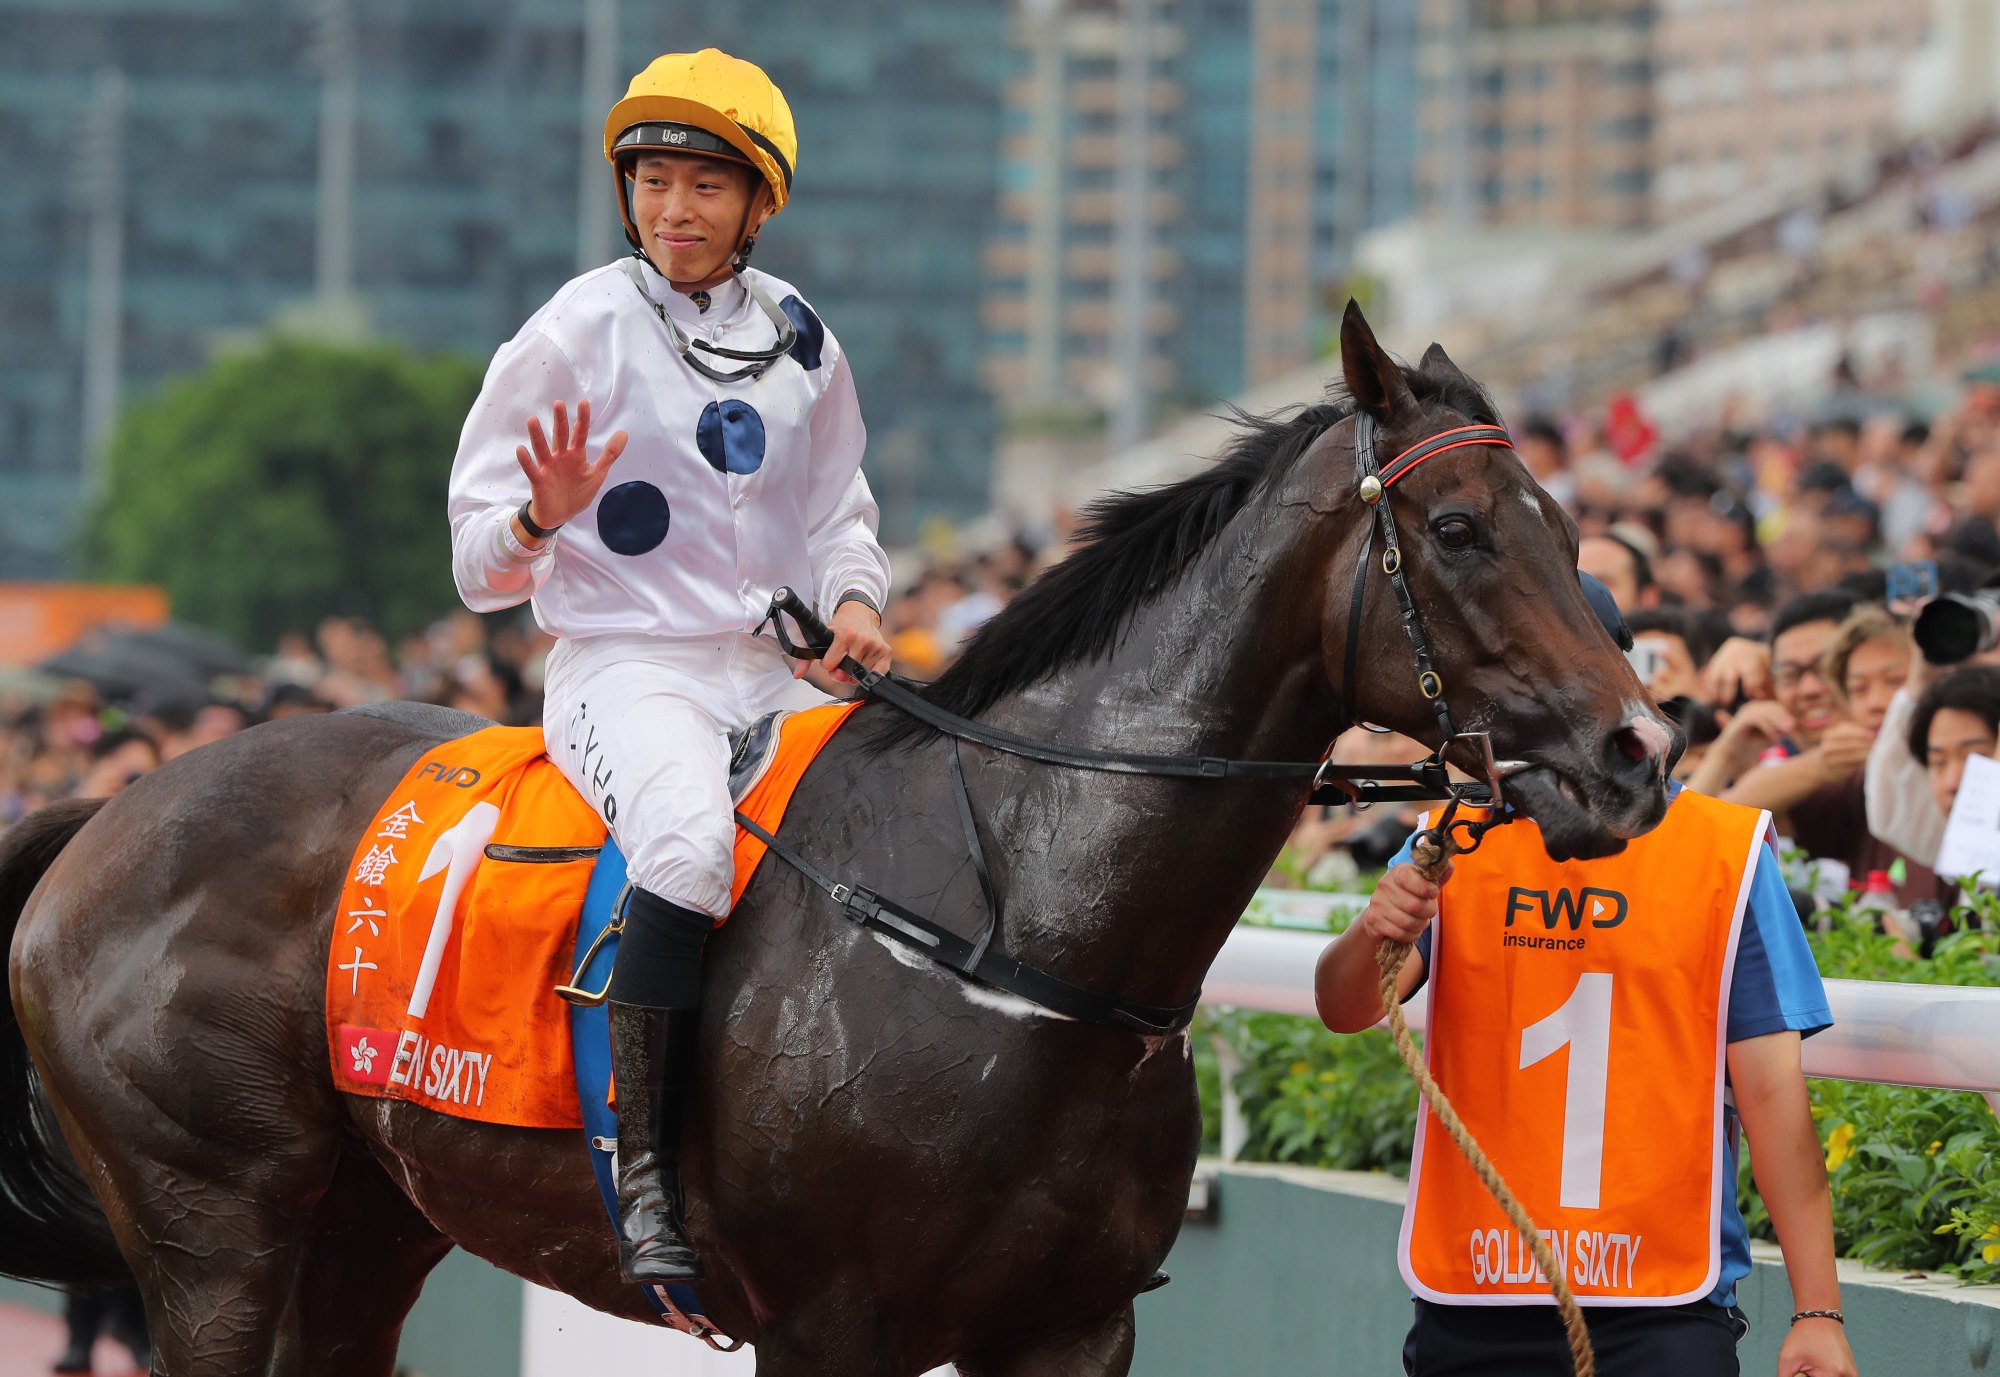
(459, 919)
(751, 752)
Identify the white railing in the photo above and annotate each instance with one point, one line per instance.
(1943, 1036)
(1935, 1035)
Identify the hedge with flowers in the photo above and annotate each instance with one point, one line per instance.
(1915, 1173)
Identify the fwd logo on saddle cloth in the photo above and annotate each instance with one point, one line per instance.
(1557, 908)
(453, 931)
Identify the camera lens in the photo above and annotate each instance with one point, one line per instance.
(1949, 630)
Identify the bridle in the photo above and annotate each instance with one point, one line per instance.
(1361, 785)
(1373, 489)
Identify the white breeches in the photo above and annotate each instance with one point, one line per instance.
(640, 727)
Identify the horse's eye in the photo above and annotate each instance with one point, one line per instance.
(1455, 533)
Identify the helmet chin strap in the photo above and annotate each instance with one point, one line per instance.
(746, 238)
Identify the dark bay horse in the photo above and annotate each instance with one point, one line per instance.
(889, 1169)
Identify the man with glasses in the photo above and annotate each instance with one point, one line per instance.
(737, 442)
(1800, 716)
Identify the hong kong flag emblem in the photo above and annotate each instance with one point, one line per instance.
(365, 1054)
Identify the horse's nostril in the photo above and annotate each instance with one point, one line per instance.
(1631, 745)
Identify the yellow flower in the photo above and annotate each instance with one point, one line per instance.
(1991, 1252)
(1936, 1143)
(1328, 1077)
(1299, 1068)
(1992, 1231)
(1839, 1146)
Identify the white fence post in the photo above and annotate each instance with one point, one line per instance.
(1235, 1128)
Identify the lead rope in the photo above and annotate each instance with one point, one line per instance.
(1436, 846)
(1432, 852)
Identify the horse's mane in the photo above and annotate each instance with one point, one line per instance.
(1133, 546)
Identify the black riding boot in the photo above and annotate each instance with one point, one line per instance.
(651, 1054)
(655, 1015)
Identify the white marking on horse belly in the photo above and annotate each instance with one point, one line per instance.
(1011, 1005)
(1000, 1003)
(903, 953)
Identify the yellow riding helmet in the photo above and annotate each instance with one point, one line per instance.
(710, 103)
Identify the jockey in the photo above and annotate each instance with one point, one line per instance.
(738, 411)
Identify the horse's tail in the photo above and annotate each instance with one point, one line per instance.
(51, 1227)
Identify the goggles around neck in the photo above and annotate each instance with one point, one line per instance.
(755, 361)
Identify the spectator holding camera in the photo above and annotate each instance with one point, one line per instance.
(1789, 711)
(1868, 663)
(1956, 718)
(1835, 683)
(1669, 647)
(1951, 631)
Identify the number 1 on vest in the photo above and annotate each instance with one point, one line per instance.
(1582, 1024)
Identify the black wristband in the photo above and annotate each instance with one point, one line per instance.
(1833, 1315)
(856, 595)
(528, 523)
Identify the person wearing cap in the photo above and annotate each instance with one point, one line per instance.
(1602, 1026)
(732, 467)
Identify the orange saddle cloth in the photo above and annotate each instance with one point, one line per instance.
(458, 919)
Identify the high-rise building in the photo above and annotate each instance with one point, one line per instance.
(1083, 78)
(1537, 112)
(1621, 114)
(1756, 90)
(430, 158)
(1267, 135)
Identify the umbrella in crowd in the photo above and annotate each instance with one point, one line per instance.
(165, 664)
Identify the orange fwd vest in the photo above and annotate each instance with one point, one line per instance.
(1578, 1014)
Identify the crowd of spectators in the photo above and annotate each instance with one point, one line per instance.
(1770, 577)
(73, 740)
(62, 740)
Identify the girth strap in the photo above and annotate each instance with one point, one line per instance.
(978, 852)
(978, 961)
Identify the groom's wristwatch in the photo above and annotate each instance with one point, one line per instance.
(856, 595)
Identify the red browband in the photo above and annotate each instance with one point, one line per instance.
(1438, 444)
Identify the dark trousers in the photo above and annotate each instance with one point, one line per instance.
(118, 1312)
(1695, 1340)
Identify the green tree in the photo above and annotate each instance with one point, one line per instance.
(289, 483)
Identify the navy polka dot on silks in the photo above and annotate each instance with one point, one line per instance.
(731, 436)
(812, 335)
(632, 518)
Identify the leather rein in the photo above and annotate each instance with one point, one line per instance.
(1360, 785)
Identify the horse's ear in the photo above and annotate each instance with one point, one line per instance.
(1436, 361)
(1373, 378)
